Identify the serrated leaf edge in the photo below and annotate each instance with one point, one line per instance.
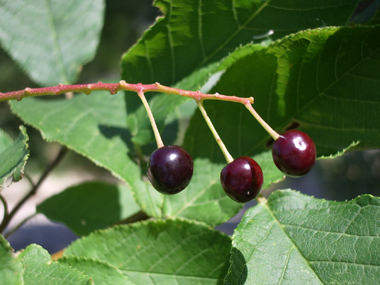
(51, 261)
(91, 259)
(23, 161)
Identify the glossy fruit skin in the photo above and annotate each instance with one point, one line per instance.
(242, 179)
(294, 153)
(170, 169)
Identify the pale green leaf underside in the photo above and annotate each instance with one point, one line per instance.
(13, 157)
(90, 206)
(160, 252)
(10, 268)
(53, 39)
(39, 269)
(297, 239)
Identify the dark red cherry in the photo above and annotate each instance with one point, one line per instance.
(294, 153)
(242, 179)
(170, 169)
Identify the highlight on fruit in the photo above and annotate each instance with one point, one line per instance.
(170, 169)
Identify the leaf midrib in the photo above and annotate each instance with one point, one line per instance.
(233, 35)
(57, 47)
(343, 75)
(265, 204)
(169, 275)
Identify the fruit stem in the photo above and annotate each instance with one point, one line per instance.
(219, 141)
(151, 118)
(270, 131)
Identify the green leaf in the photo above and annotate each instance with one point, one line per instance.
(160, 252)
(13, 156)
(90, 206)
(271, 173)
(101, 273)
(297, 239)
(39, 269)
(5, 141)
(193, 34)
(10, 268)
(54, 41)
(316, 80)
(204, 199)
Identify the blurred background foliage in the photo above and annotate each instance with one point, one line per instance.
(125, 21)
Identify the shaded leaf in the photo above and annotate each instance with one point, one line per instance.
(13, 157)
(90, 206)
(160, 252)
(39, 269)
(10, 268)
(193, 34)
(101, 273)
(297, 239)
(316, 80)
(52, 49)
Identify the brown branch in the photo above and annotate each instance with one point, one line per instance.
(113, 88)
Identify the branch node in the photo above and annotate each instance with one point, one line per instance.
(88, 91)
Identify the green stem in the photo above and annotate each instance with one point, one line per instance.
(19, 225)
(151, 118)
(139, 216)
(5, 204)
(29, 179)
(219, 141)
(270, 131)
(34, 189)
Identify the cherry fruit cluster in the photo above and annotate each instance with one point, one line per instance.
(170, 168)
